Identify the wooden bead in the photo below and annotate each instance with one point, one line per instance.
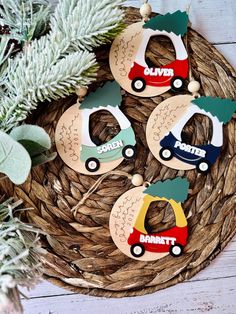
(145, 10)
(194, 87)
(137, 180)
(82, 92)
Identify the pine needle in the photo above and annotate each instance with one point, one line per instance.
(54, 65)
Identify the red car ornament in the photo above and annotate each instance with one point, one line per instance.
(172, 240)
(173, 75)
(128, 220)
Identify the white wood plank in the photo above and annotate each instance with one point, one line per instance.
(231, 246)
(223, 266)
(214, 19)
(229, 52)
(204, 15)
(44, 289)
(214, 296)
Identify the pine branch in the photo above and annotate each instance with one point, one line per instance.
(22, 21)
(6, 49)
(25, 19)
(88, 24)
(20, 262)
(34, 76)
(45, 83)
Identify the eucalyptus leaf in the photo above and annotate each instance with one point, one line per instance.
(15, 162)
(33, 148)
(33, 133)
(42, 159)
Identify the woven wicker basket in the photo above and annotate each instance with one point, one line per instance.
(81, 254)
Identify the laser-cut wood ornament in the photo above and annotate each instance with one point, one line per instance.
(127, 56)
(73, 140)
(127, 221)
(167, 121)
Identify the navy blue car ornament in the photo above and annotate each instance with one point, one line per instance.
(164, 135)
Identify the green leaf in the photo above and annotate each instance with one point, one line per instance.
(42, 159)
(28, 134)
(36, 141)
(32, 148)
(15, 161)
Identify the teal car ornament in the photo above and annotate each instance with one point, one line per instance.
(122, 145)
(77, 147)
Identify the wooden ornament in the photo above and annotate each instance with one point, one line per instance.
(167, 122)
(127, 56)
(127, 221)
(73, 140)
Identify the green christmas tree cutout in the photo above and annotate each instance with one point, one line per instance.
(222, 109)
(107, 95)
(176, 189)
(176, 23)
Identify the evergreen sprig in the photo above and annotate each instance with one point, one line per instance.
(6, 49)
(46, 81)
(20, 261)
(25, 19)
(54, 65)
(85, 31)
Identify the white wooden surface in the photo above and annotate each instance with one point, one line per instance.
(213, 290)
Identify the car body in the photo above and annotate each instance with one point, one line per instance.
(170, 241)
(191, 154)
(116, 148)
(159, 76)
(160, 242)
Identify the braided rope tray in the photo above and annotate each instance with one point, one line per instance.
(81, 255)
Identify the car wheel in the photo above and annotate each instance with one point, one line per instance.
(129, 152)
(176, 250)
(166, 153)
(177, 83)
(92, 164)
(138, 84)
(137, 250)
(203, 166)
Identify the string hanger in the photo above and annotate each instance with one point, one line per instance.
(145, 10)
(136, 179)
